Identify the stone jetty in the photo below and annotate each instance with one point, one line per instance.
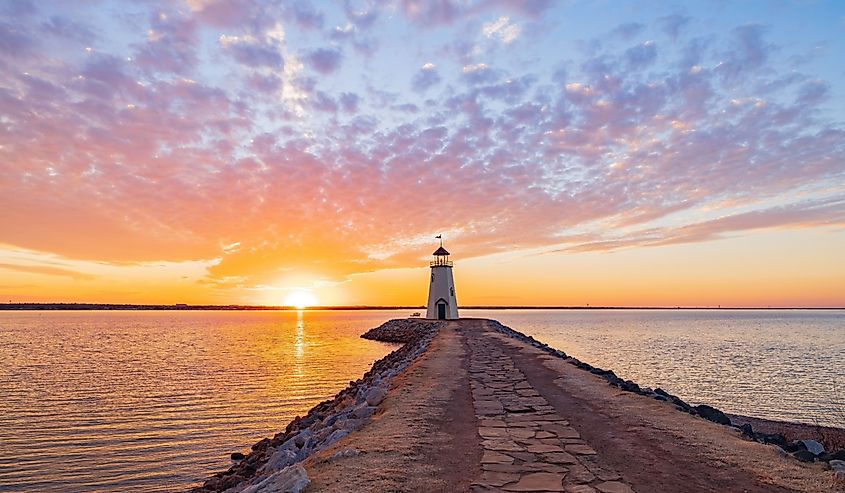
(474, 406)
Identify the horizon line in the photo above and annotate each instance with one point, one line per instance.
(242, 307)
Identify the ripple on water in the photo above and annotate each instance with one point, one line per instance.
(122, 401)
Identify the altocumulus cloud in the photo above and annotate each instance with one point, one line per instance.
(502, 29)
(325, 60)
(198, 128)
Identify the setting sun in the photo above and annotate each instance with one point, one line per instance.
(300, 299)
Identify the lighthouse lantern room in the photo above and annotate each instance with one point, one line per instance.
(442, 303)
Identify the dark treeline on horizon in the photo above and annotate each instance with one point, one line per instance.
(182, 306)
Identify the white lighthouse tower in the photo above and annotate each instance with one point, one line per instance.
(442, 303)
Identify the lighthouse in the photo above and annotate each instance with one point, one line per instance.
(442, 303)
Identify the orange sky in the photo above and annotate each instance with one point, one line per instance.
(212, 152)
(775, 268)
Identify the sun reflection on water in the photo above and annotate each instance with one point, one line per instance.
(299, 346)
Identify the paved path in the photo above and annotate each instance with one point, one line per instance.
(527, 445)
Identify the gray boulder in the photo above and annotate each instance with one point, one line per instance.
(335, 436)
(292, 479)
(838, 467)
(349, 424)
(804, 456)
(302, 437)
(712, 414)
(363, 412)
(290, 444)
(375, 395)
(813, 447)
(280, 459)
(341, 454)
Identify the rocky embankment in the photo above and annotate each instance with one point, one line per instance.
(401, 330)
(273, 463)
(804, 450)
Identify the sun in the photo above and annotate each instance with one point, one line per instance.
(300, 299)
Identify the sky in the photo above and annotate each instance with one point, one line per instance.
(630, 153)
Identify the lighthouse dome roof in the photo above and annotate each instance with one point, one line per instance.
(440, 251)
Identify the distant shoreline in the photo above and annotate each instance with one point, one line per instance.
(178, 306)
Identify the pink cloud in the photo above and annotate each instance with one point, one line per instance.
(325, 60)
(14, 41)
(170, 45)
(795, 216)
(424, 78)
(228, 13)
(306, 15)
(251, 53)
(438, 12)
(139, 158)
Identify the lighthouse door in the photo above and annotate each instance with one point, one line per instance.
(441, 311)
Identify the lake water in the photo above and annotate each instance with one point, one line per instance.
(156, 401)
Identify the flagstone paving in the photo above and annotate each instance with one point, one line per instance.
(527, 445)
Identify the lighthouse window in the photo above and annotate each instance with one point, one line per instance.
(452, 290)
(432, 276)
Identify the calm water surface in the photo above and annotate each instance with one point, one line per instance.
(156, 401)
(777, 364)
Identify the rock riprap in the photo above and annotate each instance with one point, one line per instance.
(273, 463)
(399, 330)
